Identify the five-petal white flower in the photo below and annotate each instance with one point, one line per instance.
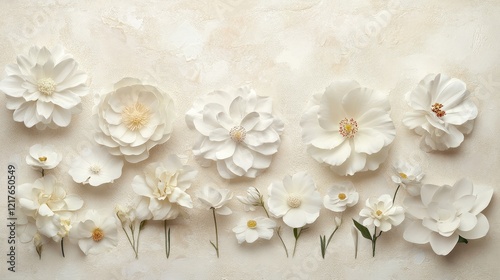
(253, 229)
(132, 119)
(442, 112)
(341, 196)
(238, 132)
(295, 199)
(381, 213)
(408, 176)
(95, 167)
(165, 185)
(44, 157)
(44, 88)
(215, 198)
(348, 127)
(96, 234)
(444, 213)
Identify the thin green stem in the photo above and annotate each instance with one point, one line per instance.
(278, 232)
(265, 210)
(216, 246)
(395, 193)
(296, 234)
(62, 246)
(330, 239)
(167, 238)
(374, 240)
(43, 172)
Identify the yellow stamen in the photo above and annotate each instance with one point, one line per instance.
(97, 234)
(42, 159)
(403, 175)
(342, 196)
(251, 224)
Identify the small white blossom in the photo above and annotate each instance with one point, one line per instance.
(44, 157)
(381, 213)
(408, 176)
(96, 234)
(251, 230)
(95, 167)
(252, 199)
(341, 196)
(215, 198)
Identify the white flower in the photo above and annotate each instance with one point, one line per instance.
(348, 127)
(381, 213)
(44, 157)
(44, 88)
(408, 176)
(215, 198)
(237, 130)
(165, 186)
(251, 230)
(442, 112)
(56, 226)
(443, 213)
(126, 215)
(252, 199)
(96, 234)
(132, 119)
(95, 167)
(295, 199)
(341, 196)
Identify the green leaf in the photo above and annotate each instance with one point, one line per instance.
(322, 241)
(215, 247)
(364, 231)
(462, 240)
(296, 233)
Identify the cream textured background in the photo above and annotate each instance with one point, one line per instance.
(286, 49)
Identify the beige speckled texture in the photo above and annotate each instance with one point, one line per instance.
(289, 50)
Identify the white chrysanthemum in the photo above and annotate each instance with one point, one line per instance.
(381, 213)
(215, 198)
(444, 213)
(44, 88)
(408, 176)
(96, 234)
(348, 127)
(44, 157)
(252, 199)
(251, 230)
(133, 118)
(238, 132)
(442, 112)
(165, 186)
(45, 201)
(95, 167)
(341, 196)
(295, 199)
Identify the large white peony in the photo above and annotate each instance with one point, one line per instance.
(44, 88)
(348, 127)
(238, 132)
(445, 213)
(442, 112)
(133, 118)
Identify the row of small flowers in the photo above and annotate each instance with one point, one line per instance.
(441, 215)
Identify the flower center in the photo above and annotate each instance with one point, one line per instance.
(238, 133)
(342, 196)
(97, 234)
(46, 86)
(348, 127)
(251, 224)
(379, 213)
(42, 159)
(403, 175)
(293, 200)
(95, 168)
(135, 116)
(436, 108)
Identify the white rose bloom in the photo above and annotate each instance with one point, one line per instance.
(341, 196)
(132, 119)
(251, 230)
(44, 88)
(445, 213)
(348, 127)
(381, 213)
(237, 130)
(215, 198)
(295, 199)
(408, 176)
(96, 234)
(165, 186)
(95, 167)
(44, 157)
(442, 112)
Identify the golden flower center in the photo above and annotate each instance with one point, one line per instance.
(97, 234)
(293, 200)
(136, 116)
(378, 212)
(238, 133)
(403, 175)
(95, 168)
(348, 127)
(342, 196)
(251, 224)
(42, 159)
(436, 108)
(46, 86)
